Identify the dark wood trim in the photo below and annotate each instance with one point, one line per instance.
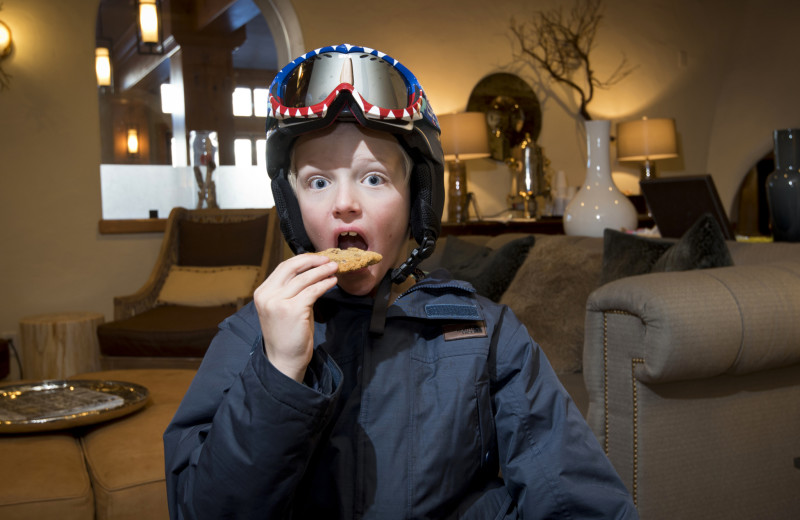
(144, 225)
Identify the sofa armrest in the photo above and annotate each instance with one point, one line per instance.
(703, 323)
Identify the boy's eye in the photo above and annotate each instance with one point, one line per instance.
(318, 183)
(374, 180)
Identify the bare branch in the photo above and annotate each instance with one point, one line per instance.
(560, 45)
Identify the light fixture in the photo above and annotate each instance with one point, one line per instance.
(646, 140)
(6, 44)
(149, 27)
(464, 137)
(133, 141)
(5, 40)
(102, 66)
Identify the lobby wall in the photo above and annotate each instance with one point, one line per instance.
(720, 72)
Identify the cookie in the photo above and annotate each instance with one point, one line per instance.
(352, 258)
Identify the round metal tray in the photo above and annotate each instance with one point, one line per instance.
(60, 404)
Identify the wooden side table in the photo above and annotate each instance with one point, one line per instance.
(56, 346)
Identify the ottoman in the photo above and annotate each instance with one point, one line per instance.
(110, 470)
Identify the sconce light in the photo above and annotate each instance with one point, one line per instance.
(5, 40)
(102, 66)
(133, 141)
(6, 44)
(464, 136)
(149, 27)
(646, 140)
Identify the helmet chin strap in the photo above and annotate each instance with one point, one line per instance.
(381, 303)
(419, 254)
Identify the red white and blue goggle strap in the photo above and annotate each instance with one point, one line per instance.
(385, 90)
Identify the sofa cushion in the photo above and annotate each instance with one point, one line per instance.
(168, 330)
(45, 477)
(489, 270)
(702, 246)
(549, 293)
(125, 457)
(207, 286)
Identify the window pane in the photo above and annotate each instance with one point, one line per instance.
(261, 153)
(242, 102)
(243, 152)
(260, 101)
(169, 98)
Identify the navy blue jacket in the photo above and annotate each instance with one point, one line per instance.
(414, 423)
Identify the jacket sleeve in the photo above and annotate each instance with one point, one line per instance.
(242, 436)
(551, 462)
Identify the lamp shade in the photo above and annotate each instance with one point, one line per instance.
(148, 21)
(646, 139)
(464, 136)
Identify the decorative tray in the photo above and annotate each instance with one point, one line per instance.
(59, 404)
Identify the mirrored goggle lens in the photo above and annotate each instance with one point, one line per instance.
(375, 79)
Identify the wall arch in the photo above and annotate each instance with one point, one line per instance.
(285, 28)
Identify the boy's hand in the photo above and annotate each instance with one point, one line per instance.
(285, 304)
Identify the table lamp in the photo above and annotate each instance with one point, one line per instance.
(646, 140)
(464, 137)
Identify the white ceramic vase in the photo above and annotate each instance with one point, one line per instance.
(598, 204)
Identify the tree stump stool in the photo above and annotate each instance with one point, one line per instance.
(56, 346)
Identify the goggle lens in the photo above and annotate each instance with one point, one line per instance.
(375, 79)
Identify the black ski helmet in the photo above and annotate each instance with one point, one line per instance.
(351, 83)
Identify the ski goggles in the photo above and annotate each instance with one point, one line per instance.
(382, 87)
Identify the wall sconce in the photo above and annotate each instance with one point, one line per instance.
(133, 141)
(102, 66)
(5, 40)
(464, 137)
(646, 140)
(149, 27)
(6, 45)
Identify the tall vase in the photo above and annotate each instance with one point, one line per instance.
(783, 187)
(598, 204)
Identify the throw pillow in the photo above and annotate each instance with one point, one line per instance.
(207, 286)
(490, 271)
(701, 247)
(549, 295)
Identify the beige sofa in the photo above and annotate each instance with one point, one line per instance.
(690, 380)
(694, 387)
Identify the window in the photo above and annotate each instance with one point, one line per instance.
(243, 152)
(242, 102)
(260, 101)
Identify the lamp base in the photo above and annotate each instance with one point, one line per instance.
(648, 170)
(458, 195)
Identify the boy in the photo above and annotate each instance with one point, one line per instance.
(367, 394)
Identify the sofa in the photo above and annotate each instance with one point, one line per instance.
(689, 379)
(694, 387)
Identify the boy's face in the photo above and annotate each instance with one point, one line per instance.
(353, 192)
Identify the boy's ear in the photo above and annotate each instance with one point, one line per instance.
(290, 217)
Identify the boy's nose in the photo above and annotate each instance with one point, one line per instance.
(346, 202)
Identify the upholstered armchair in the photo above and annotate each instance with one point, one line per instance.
(210, 263)
(694, 385)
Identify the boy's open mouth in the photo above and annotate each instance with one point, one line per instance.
(351, 239)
